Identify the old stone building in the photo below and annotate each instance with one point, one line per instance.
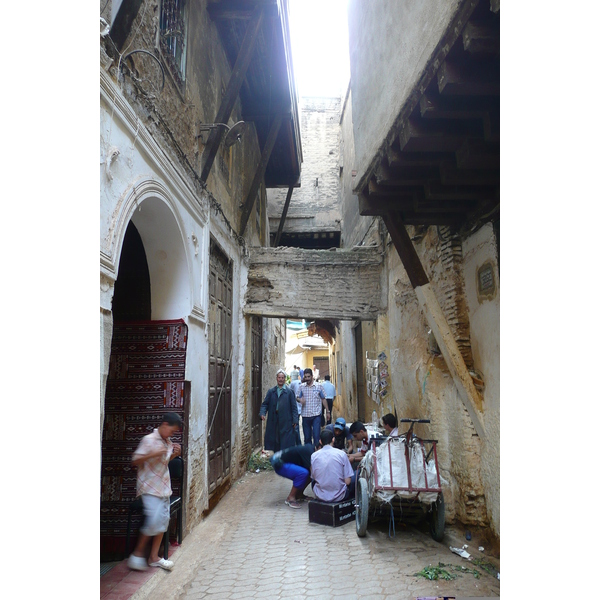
(412, 293)
(387, 242)
(421, 183)
(191, 138)
(312, 219)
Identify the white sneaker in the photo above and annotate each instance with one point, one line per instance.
(163, 564)
(137, 563)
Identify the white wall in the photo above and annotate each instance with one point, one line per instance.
(407, 32)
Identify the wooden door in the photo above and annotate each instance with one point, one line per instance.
(256, 391)
(220, 349)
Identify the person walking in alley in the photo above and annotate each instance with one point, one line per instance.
(294, 463)
(329, 390)
(295, 387)
(294, 374)
(152, 458)
(312, 398)
(332, 474)
(282, 410)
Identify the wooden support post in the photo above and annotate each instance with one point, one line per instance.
(435, 318)
(233, 89)
(283, 216)
(260, 172)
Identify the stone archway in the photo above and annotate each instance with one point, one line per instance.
(146, 376)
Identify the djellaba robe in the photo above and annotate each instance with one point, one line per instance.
(282, 415)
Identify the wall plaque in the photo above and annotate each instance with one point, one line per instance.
(486, 281)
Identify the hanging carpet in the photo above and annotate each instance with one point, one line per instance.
(145, 380)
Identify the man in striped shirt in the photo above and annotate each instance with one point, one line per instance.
(312, 398)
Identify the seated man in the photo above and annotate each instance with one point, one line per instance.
(333, 477)
(390, 424)
(360, 434)
(294, 463)
(342, 438)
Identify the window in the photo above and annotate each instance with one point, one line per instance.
(173, 37)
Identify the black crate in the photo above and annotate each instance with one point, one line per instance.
(333, 514)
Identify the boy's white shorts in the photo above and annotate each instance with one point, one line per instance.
(157, 513)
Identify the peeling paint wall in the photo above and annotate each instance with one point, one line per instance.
(151, 156)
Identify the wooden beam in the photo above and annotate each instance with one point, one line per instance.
(435, 318)
(260, 172)
(434, 106)
(451, 175)
(238, 75)
(481, 38)
(234, 9)
(476, 154)
(434, 190)
(458, 79)
(420, 135)
(283, 216)
(406, 251)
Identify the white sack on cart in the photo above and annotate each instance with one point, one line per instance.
(395, 449)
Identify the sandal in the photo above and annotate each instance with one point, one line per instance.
(292, 503)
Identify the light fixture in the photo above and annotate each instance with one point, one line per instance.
(234, 133)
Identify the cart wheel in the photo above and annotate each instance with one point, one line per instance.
(362, 510)
(438, 519)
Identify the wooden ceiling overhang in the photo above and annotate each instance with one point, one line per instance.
(269, 88)
(440, 163)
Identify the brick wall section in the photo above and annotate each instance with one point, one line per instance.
(327, 284)
(314, 207)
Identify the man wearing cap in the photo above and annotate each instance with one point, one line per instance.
(342, 438)
(329, 390)
(282, 424)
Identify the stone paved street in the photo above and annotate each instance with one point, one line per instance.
(254, 546)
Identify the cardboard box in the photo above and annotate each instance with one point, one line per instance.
(333, 514)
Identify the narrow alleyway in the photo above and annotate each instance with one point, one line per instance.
(254, 546)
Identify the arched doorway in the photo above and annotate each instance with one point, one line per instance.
(147, 362)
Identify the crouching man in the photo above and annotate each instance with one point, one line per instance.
(333, 477)
(294, 463)
(154, 486)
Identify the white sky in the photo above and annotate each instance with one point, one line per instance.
(319, 36)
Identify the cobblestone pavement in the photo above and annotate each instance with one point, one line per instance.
(254, 546)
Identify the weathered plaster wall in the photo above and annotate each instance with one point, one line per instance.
(300, 283)
(406, 34)
(315, 205)
(354, 226)
(484, 315)
(149, 171)
(423, 387)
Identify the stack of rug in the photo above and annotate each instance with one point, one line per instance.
(146, 379)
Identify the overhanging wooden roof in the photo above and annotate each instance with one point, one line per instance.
(269, 87)
(440, 164)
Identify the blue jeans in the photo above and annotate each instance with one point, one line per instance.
(299, 475)
(311, 426)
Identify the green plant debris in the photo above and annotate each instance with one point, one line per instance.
(486, 566)
(256, 461)
(447, 572)
(435, 573)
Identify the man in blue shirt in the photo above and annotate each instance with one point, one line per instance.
(329, 390)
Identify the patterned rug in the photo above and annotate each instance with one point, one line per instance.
(146, 379)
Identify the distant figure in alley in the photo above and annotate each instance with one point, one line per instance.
(282, 422)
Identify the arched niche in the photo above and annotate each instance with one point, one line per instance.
(164, 245)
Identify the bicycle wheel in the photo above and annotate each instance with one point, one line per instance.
(362, 510)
